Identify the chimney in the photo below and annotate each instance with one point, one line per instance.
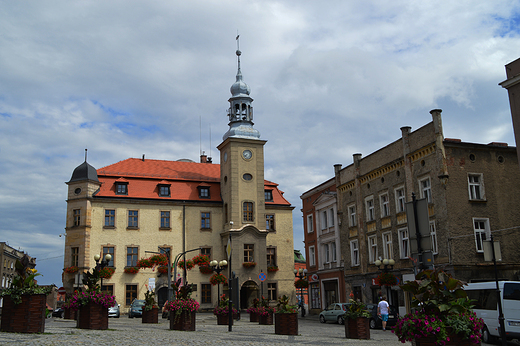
(143, 158)
(210, 160)
(203, 158)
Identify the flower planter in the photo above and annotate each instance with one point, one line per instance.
(223, 320)
(455, 340)
(151, 316)
(286, 324)
(266, 319)
(253, 317)
(185, 321)
(26, 317)
(358, 328)
(92, 316)
(69, 314)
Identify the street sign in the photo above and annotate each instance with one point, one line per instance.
(262, 277)
(61, 290)
(151, 284)
(228, 249)
(423, 222)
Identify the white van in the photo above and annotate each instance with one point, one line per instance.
(486, 307)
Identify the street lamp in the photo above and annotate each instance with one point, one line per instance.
(218, 267)
(100, 265)
(300, 274)
(386, 263)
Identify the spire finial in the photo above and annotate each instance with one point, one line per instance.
(86, 155)
(238, 53)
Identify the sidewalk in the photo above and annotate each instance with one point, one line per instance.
(125, 331)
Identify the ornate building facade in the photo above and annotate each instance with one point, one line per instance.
(135, 207)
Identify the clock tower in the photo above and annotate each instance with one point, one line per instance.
(242, 163)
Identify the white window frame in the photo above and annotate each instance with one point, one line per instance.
(385, 205)
(372, 248)
(326, 253)
(310, 224)
(312, 256)
(370, 209)
(480, 233)
(352, 215)
(323, 219)
(476, 189)
(426, 191)
(387, 245)
(404, 243)
(331, 215)
(354, 253)
(433, 237)
(400, 200)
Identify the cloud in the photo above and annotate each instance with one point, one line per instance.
(126, 78)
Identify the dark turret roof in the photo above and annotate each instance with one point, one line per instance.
(84, 172)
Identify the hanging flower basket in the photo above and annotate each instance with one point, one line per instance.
(159, 260)
(201, 260)
(131, 270)
(301, 283)
(71, 270)
(144, 263)
(106, 273)
(386, 279)
(217, 279)
(272, 269)
(162, 269)
(249, 264)
(205, 269)
(189, 264)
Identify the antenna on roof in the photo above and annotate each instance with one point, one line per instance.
(200, 135)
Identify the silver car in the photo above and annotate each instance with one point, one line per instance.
(334, 313)
(114, 311)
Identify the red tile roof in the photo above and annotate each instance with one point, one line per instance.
(143, 178)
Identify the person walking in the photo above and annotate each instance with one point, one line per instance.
(382, 311)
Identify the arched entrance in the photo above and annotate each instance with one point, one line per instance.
(162, 296)
(248, 292)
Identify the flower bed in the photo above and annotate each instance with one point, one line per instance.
(71, 270)
(131, 270)
(189, 264)
(162, 269)
(201, 260)
(205, 269)
(272, 269)
(249, 264)
(301, 283)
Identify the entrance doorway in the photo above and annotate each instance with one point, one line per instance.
(162, 296)
(248, 292)
(331, 292)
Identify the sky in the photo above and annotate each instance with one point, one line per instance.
(328, 79)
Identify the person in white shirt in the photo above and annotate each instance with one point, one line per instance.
(382, 311)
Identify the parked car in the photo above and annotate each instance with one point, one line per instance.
(59, 312)
(376, 322)
(114, 311)
(334, 313)
(136, 309)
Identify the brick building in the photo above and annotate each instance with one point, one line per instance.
(470, 189)
(512, 84)
(138, 206)
(322, 245)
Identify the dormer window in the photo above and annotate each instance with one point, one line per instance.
(203, 191)
(164, 191)
(121, 188)
(268, 195)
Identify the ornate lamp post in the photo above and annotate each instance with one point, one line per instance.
(300, 274)
(386, 263)
(100, 265)
(218, 267)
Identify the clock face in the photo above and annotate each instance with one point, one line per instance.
(247, 154)
(77, 191)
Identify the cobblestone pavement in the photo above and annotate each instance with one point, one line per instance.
(125, 331)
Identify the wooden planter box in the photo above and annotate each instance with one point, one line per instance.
(455, 340)
(265, 319)
(26, 317)
(185, 321)
(253, 317)
(69, 314)
(151, 316)
(223, 320)
(286, 324)
(358, 328)
(92, 316)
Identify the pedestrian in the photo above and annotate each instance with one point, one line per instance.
(382, 311)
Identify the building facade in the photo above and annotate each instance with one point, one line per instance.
(322, 246)
(9, 256)
(135, 207)
(470, 190)
(512, 84)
